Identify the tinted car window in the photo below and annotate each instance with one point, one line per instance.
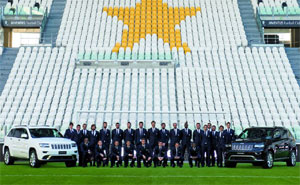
(11, 133)
(284, 134)
(17, 133)
(277, 133)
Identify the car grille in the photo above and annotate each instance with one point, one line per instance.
(242, 158)
(242, 147)
(60, 146)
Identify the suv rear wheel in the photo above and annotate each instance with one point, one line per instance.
(292, 159)
(269, 160)
(8, 160)
(33, 159)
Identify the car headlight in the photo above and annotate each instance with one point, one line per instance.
(74, 145)
(44, 145)
(259, 146)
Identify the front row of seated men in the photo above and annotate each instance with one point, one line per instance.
(158, 154)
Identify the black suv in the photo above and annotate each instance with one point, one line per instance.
(261, 146)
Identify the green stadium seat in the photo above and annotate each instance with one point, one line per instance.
(94, 56)
(87, 56)
(80, 56)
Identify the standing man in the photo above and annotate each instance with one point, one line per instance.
(209, 127)
(117, 134)
(105, 136)
(140, 134)
(205, 146)
(70, 133)
(229, 134)
(194, 154)
(164, 135)
(129, 154)
(153, 136)
(144, 153)
(213, 149)
(186, 136)
(177, 155)
(93, 138)
(197, 135)
(101, 154)
(129, 134)
(84, 133)
(160, 155)
(115, 154)
(174, 135)
(78, 142)
(220, 146)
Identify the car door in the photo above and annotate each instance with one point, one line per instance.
(9, 141)
(15, 149)
(278, 144)
(285, 143)
(23, 144)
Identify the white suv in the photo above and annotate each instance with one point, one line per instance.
(38, 144)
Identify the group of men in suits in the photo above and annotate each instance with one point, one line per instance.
(150, 146)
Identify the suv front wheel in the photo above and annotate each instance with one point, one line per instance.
(33, 159)
(292, 159)
(269, 160)
(8, 160)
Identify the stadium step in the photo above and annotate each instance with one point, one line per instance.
(293, 55)
(53, 23)
(6, 63)
(250, 25)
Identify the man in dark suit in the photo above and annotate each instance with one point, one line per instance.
(213, 148)
(197, 135)
(174, 135)
(140, 133)
(194, 154)
(186, 136)
(205, 146)
(101, 154)
(209, 127)
(84, 133)
(160, 155)
(229, 134)
(164, 135)
(78, 142)
(220, 146)
(129, 134)
(177, 155)
(144, 153)
(70, 133)
(86, 152)
(117, 134)
(93, 138)
(105, 136)
(153, 135)
(129, 154)
(115, 154)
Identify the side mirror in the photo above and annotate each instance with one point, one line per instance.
(24, 136)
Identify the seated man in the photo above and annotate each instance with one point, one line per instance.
(115, 154)
(101, 154)
(86, 152)
(144, 153)
(160, 155)
(129, 154)
(194, 154)
(177, 155)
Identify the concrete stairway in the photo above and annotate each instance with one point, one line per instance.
(7, 60)
(249, 22)
(293, 55)
(53, 23)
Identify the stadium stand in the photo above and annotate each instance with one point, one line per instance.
(293, 55)
(220, 76)
(30, 3)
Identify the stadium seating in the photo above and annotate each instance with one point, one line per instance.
(268, 6)
(30, 3)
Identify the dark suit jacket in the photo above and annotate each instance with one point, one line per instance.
(229, 136)
(144, 150)
(206, 139)
(84, 148)
(164, 137)
(160, 152)
(174, 138)
(129, 136)
(105, 137)
(214, 139)
(94, 138)
(138, 136)
(117, 137)
(115, 151)
(195, 151)
(70, 135)
(197, 137)
(102, 151)
(153, 136)
(82, 135)
(128, 150)
(221, 141)
(186, 137)
(180, 153)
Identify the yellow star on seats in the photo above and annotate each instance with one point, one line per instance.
(151, 17)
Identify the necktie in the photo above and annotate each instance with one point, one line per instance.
(71, 130)
(198, 131)
(129, 131)
(176, 152)
(118, 131)
(84, 132)
(186, 130)
(175, 132)
(206, 133)
(163, 130)
(141, 131)
(220, 134)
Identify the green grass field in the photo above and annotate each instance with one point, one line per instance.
(57, 173)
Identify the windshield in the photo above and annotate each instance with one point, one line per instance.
(256, 134)
(44, 132)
